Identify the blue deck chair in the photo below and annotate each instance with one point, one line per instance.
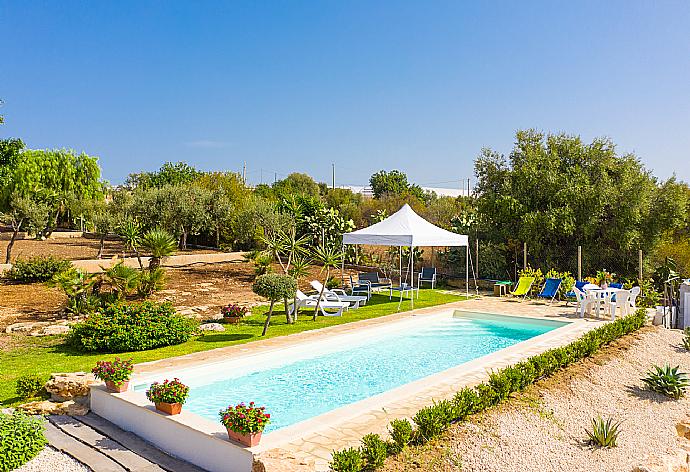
(616, 285)
(550, 289)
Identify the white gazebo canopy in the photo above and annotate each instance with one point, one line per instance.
(407, 228)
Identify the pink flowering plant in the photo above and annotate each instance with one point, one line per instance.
(170, 391)
(234, 311)
(245, 419)
(117, 371)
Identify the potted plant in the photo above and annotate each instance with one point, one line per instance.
(168, 396)
(245, 423)
(233, 313)
(116, 374)
(605, 278)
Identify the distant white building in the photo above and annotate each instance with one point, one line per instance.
(366, 191)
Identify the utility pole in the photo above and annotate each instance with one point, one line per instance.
(275, 177)
(468, 189)
(244, 173)
(333, 168)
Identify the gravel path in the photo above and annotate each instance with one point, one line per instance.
(544, 430)
(54, 461)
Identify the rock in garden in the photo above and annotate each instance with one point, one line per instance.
(47, 407)
(25, 327)
(211, 327)
(69, 386)
(683, 429)
(51, 330)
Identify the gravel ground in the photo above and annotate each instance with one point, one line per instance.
(544, 429)
(54, 461)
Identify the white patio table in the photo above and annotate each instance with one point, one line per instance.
(601, 295)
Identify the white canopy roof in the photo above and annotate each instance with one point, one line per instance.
(405, 228)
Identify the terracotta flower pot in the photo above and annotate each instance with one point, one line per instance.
(169, 408)
(249, 439)
(117, 388)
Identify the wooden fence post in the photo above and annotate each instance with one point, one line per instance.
(579, 263)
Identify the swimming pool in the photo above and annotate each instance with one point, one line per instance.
(304, 383)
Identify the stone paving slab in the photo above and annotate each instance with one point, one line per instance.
(80, 451)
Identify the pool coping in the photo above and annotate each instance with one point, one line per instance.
(328, 430)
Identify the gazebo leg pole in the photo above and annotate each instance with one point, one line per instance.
(342, 269)
(467, 270)
(412, 274)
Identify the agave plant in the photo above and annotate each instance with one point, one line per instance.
(160, 244)
(686, 339)
(604, 433)
(667, 381)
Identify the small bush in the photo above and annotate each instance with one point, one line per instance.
(150, 281)
(667, 381)
(29, 386)
(22, 438)
(37, 269)
(604, 433)
(431, 421)
(374, 451)
(401, 434)
(347, 460)
(275, 286)
(131, 327)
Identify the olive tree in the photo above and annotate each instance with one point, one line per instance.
(274, 287)
(24, 213)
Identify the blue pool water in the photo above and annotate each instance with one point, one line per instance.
(299, 390)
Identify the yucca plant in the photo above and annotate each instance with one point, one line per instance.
(604, 433)
(686, 339)
(160, 244)
(667, 381)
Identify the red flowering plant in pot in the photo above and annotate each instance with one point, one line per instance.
(168, 396)
(233, 313)
(115, 374)
(245, 423)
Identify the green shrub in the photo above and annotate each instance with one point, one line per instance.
(21, 439)
(433, 420)
(28, 386)
(374, 451)
(604, 433)
(401, 434)
(275, 286)
(37, 269)
(131, 327)
(151, 281)
(347, 460)
(667, 381)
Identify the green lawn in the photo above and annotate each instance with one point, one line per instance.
(45, 355)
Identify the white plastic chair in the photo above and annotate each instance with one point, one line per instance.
(584, 302)
(621, 303)
(634, 293)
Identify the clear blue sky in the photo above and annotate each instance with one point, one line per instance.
(295, 86)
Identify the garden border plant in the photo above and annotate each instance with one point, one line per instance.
(431, 421)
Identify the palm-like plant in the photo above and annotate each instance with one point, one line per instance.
(130, 232)
(299, 269)
(667, 381)
(120, 279)
(160, 244)
(330, 257)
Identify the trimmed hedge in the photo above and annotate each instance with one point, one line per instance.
(37, 269)
(127, 327)
(21, 439)
(433, 420)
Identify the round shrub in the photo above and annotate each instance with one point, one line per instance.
(132, 327)
(28, 386)
(22, 438)
(37, 269)
(275, 286)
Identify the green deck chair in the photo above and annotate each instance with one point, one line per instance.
(523, 287)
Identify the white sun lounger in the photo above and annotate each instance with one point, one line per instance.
(338, 295)
(304, 301)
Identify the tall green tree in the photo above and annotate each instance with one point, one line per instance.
(23, 214)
